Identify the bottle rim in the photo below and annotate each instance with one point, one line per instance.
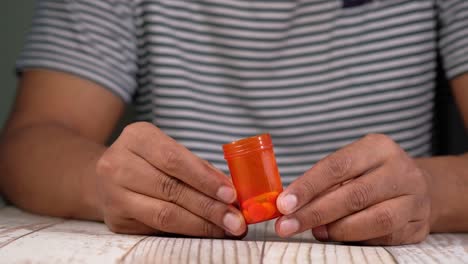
(247, 145)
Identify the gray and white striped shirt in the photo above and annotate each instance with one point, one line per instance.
(315, 74)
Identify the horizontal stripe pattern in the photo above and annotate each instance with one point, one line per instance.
(312, 74)
(454, 36)
(91, 39)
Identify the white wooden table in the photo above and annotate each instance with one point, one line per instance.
(28, 238)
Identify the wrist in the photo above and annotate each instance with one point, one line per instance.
(446, 187)
(424, 166)
(89, 194)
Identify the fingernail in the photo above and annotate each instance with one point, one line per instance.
(320, 233)
(287, 203)
(289, 226)
(232, 223)
(226, 194)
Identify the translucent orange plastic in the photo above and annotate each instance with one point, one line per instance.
(255, 176)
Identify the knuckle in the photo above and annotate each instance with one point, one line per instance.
(385, 220)
(378, 138)
(207, 207)
(359, 196)
(208, 229)
(162, 218)
(130, 131)
(135, 130)
(105, 165)
(171, 159)
(315, 217)
(420, 178)
(111, 165)
(171, 189)
(337, 167)
(418, 174)
(384, 142)
(309, 188)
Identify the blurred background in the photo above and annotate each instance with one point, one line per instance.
(15, 17)
(450, 137)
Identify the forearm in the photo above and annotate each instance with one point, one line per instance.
(448, 180)
(49, 169)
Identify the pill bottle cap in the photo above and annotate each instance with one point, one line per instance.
(247, 145)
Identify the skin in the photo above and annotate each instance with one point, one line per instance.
(144, 183)
(373, 193)
(370, 191)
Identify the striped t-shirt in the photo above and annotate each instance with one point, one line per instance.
(315, 74)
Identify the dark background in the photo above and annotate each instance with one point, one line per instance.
(15, 16)
(450, 136)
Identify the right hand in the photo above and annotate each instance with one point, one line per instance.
(150, 184)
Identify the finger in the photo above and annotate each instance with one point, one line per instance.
(413, 232)
(378, 220)
(141, 177)
(354, 196)
(169, 217)
(164, 153)
(349, 162)
(130, 227)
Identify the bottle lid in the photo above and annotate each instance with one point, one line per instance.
(247, 145)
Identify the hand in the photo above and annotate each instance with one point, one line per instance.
(370, 192)
(150, 184)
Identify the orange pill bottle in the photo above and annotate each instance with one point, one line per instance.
(255, 176)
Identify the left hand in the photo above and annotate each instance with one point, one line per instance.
(370, 192)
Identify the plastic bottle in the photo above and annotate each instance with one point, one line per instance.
(255, 176)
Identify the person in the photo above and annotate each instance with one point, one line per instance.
(345, 88)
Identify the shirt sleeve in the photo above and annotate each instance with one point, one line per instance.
(88, 38)
(453, 36)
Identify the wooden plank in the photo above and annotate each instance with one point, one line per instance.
(67, 242)
(310, 252)
(438, 248)
(303, 248)
(193, 250)
(15, 224)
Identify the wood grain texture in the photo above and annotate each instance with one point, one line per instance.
(61, 241)
(15, 224)
(299, 252)
(303, 248)
(29, 238)
(192, 250)
(438, 248)
(261, 245)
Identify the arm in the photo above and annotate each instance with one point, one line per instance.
(449, 177)
(52, 141)
(374, 193)
(54, 161)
